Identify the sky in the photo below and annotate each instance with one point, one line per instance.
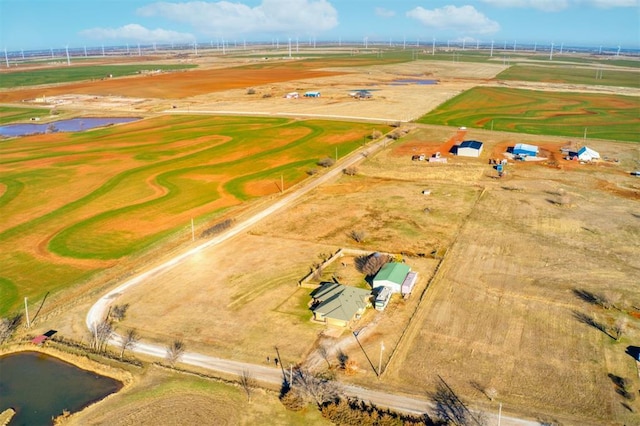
(54, 24)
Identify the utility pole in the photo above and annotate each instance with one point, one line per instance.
(281, 184)
(193, 232)
(26, 310)
(336, 154)
(380, 361)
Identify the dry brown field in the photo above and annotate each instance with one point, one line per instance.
(501, 312)
(501, 261)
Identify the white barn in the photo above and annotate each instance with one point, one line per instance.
(470, 149)
(587, 154)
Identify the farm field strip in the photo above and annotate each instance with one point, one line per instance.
(130, 186)
(592, 75)
(545, 113)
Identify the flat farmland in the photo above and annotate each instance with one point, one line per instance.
(596, 74)
(544, 113)
(504, 310)
(77, 203)
(173, 85)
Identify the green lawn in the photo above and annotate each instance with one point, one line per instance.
(543, 113)
(66, 74)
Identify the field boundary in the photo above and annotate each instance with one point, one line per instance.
(417, 312)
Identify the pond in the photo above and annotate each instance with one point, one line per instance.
(419, 81)
(70, 125)
(39, 387)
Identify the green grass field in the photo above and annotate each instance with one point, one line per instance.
(571, 75)
(65, 74)
(543, 113)
(73, 201)
(12, 114)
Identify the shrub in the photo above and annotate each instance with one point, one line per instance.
(293, 400)
(350, 171)
(326, 162)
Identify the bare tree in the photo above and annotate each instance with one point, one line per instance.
(491, 393)
(129, 340)
(101, 333)
(175, 351)
(248, 383)
(317, 389)
(371, 264)
(118, 312)
(619, 328)
(358, 235)
(324, 353)
(8, 326)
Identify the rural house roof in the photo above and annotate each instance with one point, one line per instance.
(340, 301)
(471, 144)
(394, 272)
(525, 147)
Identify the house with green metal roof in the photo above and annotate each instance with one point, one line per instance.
(338, 304)
(391, 275)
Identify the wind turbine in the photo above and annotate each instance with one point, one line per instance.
(289, 47)
(404, 42)
(535, 46)
(491, 49)
(52, 53)
(561, 46)
(463, 42)
(140, 53)
(6, 58)
(514, 45)
(22, 52)
(477, 44)
(195, 47)
(102, 50)
(618, 52)
(68, 59)
(433, 47)
(551, 53)
(85, 50)
(417, 41)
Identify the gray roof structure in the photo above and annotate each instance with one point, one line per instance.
(339, 301)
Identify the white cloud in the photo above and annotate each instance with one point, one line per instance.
(609, 4)
(544, 5)
(226, 18)
(464, 19)
(138, 33)
(557, 5)
(384, 13)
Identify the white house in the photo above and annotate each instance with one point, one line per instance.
(470, 149)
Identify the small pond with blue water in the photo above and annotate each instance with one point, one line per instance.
(70, 125)
(39, 387)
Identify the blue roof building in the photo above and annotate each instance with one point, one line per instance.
(525, 150)
(470, 149)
